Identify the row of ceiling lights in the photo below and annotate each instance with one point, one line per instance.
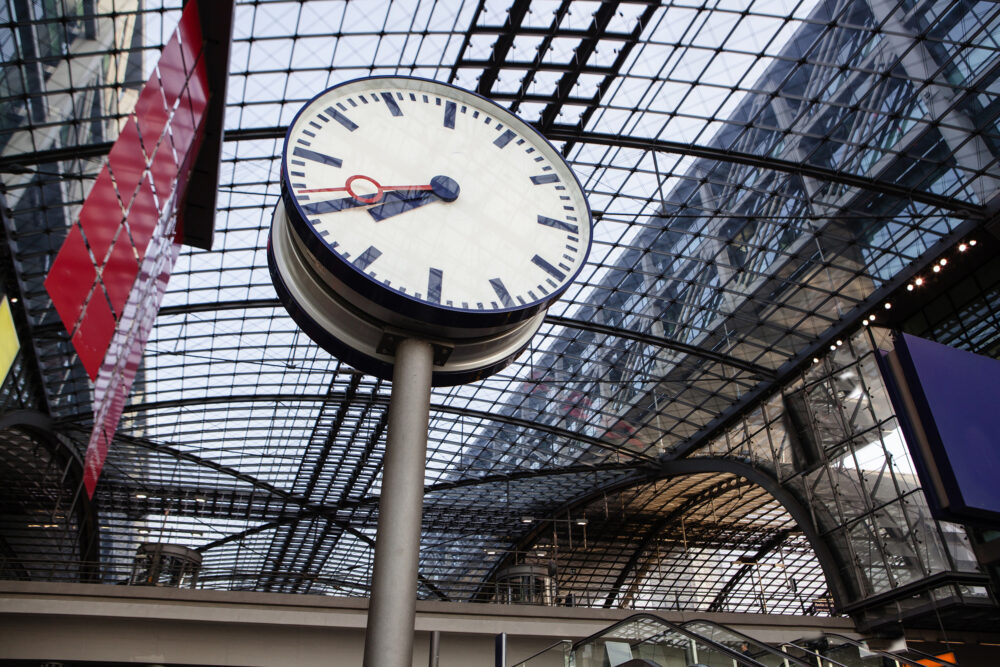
(914, 284)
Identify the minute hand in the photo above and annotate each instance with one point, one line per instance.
(401, 202)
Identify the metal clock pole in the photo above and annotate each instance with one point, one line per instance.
(392, 608)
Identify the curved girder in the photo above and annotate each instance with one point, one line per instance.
(716, 490)
(841, 589)
(374, 400)
(568, 322)
(566, 134)
(770, 163)
(39, 427)
(770, 545)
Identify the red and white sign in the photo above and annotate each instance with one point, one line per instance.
(109, 277)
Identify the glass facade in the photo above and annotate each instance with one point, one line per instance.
(767, 179)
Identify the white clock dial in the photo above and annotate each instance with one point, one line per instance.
(432, 200)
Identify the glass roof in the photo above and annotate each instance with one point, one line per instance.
(762, 173)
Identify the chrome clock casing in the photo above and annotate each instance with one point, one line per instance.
(356, 338)
(412, 208)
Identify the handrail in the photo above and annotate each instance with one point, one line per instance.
(819, 657)
(750, 640)
(676, 628)
(893, 656)
(544, 650)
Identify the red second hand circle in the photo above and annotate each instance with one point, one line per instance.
(364, 199)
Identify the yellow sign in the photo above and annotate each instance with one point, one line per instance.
(9, 344)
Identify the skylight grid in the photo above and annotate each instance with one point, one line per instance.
(710, 271)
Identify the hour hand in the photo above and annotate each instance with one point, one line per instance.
(332, 205)
(441, 188)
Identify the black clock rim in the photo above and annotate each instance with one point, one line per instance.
(389, 297)
(358, 359)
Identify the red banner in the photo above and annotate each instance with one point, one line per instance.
(109, 277)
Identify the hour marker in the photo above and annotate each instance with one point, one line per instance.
(316, 125)
(502, 292)
(342, 119)
(367, 257)
(548, 268)
(504, 138)
(434, 285)
(316, 156)
(558, 224)
(544, 178)
(449, 115)
(391, 103)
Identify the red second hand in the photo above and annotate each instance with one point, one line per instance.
(385, 188)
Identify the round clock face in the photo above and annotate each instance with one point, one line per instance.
(433, 202)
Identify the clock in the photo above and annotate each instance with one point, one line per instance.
(428, 210)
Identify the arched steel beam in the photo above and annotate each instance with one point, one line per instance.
(842, 589)
(39, 427)
(583, 325)
(375, 400)
(25, 163)
(772, 164)
(658, 341)
(770, 545)
(714, 491)
(641, 476)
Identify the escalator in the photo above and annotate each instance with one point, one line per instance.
(646, 640)
(856, 653)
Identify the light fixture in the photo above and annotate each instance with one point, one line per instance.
(944, 261)
(962, 247)
(833, 348)
(141, 496)
(918, 282)
(491, 552)
(526, 519)
(582, 521)
(815, 360)
(936, 268)
(972, 242)
(909, 288)
(864, 323)
(839, 343)
(872, 317)
(200, 500)
(888, 305)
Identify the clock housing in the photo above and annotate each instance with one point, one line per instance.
(430, 207)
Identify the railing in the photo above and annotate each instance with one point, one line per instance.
(924, 658)
(747, 645)
(646, 639)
